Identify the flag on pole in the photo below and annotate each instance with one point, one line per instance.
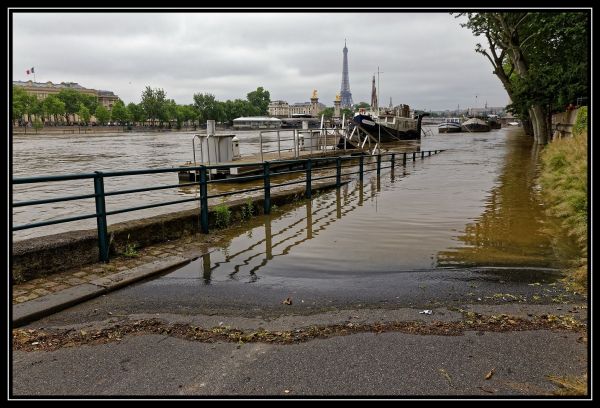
(30, 71)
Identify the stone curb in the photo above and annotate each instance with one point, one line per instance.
(26, 312)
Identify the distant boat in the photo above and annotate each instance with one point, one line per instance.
(450, 125)
(475, 125)
(494, 122)
(389, 127)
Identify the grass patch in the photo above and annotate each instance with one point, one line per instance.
(130, 249)
(570, 385)
(247, 209)
(565, 188)
(223, 216)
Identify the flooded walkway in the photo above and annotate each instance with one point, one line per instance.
(465, 226)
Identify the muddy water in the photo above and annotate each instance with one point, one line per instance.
(424, 231)
(474, 206)
(38, 155)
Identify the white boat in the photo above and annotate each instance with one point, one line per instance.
(450, 125)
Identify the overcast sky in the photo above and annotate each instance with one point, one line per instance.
(427, 60)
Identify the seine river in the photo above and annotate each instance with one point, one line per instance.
(482, 185)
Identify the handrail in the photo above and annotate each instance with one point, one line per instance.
(100, 195)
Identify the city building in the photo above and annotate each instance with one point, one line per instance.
(42, 90)
(279, 109)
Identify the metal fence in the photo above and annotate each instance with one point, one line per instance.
(308, 167)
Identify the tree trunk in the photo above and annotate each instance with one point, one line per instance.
(527, 127)
(542, 133)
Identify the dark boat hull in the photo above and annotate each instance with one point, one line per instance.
(449, 128)
(384, 133)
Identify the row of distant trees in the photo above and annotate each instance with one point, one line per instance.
(154, 108)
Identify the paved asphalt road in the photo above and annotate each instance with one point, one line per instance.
(367, 364)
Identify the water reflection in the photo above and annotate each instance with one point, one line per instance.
(248, 255)
(513, 229)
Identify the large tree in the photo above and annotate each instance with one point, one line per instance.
(84, 114)
(102, 115)
(540, 58)
(260, 100)
(208, 107)
(71, 99)
(154, 103)
(53, 106)
(119, 113)
(137, 113)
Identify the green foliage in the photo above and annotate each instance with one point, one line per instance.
(581, 122)
(248, 209)
(235, 109)
(24, 103)
(349, 113)
(84, 114)
(208, 107)
(260, 100)
(90, 102)
(564, 184)
(37, 124)
(223, 216)
(102, 115)
(120, 113)
(540, 57)
(328, 113)
(130, 249)
(19, 102)
(154, 103)
(53, 106)
(70, 98)
(362, 105)
(136, 112)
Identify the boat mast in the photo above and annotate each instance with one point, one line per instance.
(379, 125)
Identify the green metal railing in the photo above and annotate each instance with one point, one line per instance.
(309, 166)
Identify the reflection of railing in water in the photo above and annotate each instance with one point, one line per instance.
(357, 195)
(99, 194)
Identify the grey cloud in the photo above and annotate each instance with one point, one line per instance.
(427, 59)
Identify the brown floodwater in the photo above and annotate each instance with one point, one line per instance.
(476, 204)
(423, 231)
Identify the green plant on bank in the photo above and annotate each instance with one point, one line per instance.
(130, 249)
(565, 189)
(223, 216)
(274, 208)
(248, 209)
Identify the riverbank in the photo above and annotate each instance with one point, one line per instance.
(564, 181)
(60, 130)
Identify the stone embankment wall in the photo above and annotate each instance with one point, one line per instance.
(562, 123)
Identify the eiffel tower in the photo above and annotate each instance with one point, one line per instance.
(345, 92)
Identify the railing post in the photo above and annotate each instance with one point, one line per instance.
(279, 144)
(308, 192)
(378, 164)
(422, 155)
(261, 145)
(393, 161)
(101, 217)
(404, 159)
(429, 153)
(361, 167)
(267, 180)
(414, 153)
(338, 172)
(203, 201)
